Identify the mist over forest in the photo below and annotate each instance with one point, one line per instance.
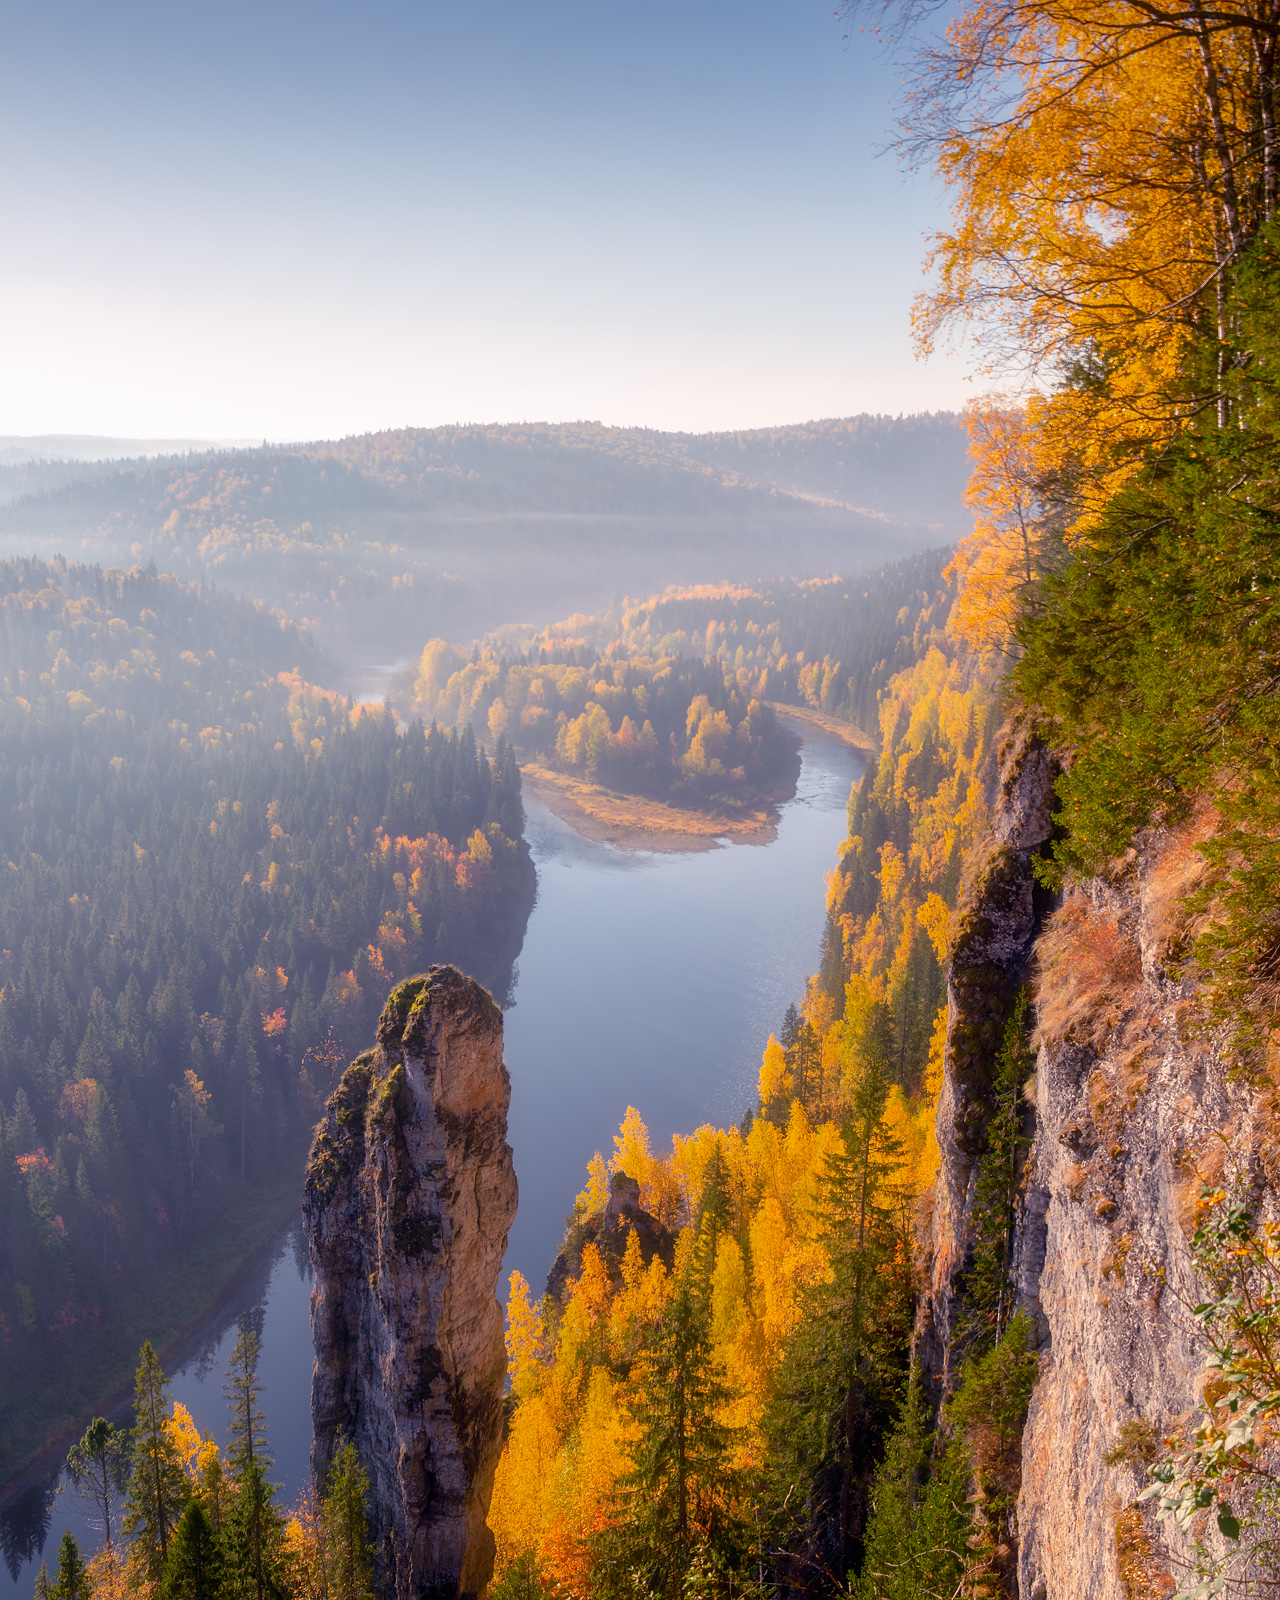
(382, 540)
(269, 716)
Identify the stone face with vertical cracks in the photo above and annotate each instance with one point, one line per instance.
(410, 1195)
(995, 928)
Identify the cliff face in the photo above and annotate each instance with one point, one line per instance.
(1126, 1108)
(1130, 1104)
(410, 1195)
(997, 919)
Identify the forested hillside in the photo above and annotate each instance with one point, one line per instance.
(216, 870)
(830, 644)
(675, 727)
(454, 531)
(713, 1411)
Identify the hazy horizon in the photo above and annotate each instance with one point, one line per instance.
(20, 448)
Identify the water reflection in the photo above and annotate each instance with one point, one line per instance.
(273, 1298)
(24, 1523)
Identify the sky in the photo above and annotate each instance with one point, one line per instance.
(291, 221)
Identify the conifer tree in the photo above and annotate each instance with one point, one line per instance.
(710, 1223)
(158, 1489)
(253, 1526)
(98, 1467)
(841, 1376)
(247, 1426)
(678, 1497)
(345, 1511)
(23, 1127)
(194, 1569)
(72, 1582)
(916, 1544)
(253, 1537)
(988, 1289)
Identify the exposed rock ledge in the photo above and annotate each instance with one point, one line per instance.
(1130, 1102)
(410, 1195)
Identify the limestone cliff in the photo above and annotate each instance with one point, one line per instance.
(1125, 1103)
(410, 1195)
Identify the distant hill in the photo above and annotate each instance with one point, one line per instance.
(16, 448)
(380, 540)
(912, 469)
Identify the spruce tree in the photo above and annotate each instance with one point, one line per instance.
(252, 1539)
(841, 1376)
(252, 1526)
(158, 1489)
(916, 1545)
(194, 1570)
(345, 1512)
(678, 1499)
(72, 1582)
(988, 1289)
(247, 1426)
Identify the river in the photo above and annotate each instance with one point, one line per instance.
(647, 980)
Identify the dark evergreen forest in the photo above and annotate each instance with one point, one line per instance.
(214, 871)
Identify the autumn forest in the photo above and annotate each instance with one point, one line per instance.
(296, 724)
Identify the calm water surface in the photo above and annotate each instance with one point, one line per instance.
(646, 980)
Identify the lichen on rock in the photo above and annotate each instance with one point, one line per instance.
(410, 1195)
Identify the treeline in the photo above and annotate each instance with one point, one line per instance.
(670, 697)
(670, 726)
(454, 531)
(299, 495)
(215, 872)
(182, 1520)
(737, 1410)
(832, 644)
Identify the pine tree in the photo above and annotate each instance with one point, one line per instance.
(158, 1488)
(72, 1582)
(345, 1510)
(98, 1467)
(194, 1569)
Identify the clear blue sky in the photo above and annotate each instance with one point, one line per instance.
(297, 221)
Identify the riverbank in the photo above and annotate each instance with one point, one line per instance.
(191, 1294)
(846, 732)
(633, 822)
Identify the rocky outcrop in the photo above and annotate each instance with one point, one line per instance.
(410, 1194)
(1130, 1102)
(609, 1233)
(1129, 1110)
(999, 913)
